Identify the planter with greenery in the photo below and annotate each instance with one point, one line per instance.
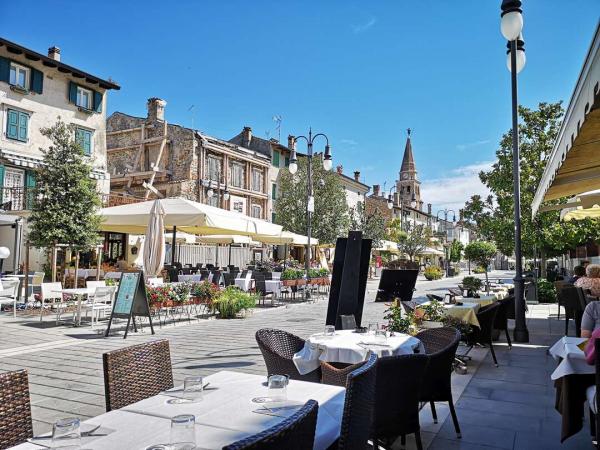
(232, 301)
(479, 269)
(398, 323)
(204, 292)
(433, 273)
(546, 291)
(472, 284)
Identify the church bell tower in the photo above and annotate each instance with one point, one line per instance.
(408, 186)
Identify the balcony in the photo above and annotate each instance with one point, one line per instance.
(15, 198)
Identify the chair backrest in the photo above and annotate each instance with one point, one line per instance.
(134, 373)
(278, 348)
(112, 275)
(104, 294)
(296, 432)
(15, 409)
(456, 291)
(440, 346)
(95, 284)
(259, 283)
(348, 322)
(433, 297)
(398, 390)
(51, 291)
(268, 275)
(573, 298)
(486, 316)
(9, 287)
(358, 406)
(501, 320)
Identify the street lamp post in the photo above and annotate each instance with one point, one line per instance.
(446, 249)
(511, 26)
(310, 200)
(210, 192)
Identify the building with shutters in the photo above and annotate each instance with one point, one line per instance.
(36, 89)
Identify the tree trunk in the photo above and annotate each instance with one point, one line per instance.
(543, 263)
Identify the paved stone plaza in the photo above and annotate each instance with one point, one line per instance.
(509, 407)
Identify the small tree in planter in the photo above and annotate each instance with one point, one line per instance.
(471, 284)
(481, 253)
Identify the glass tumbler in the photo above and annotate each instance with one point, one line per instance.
(66, 433)
(183, 434)
(329, 330)
(193, 388)
(278, 388)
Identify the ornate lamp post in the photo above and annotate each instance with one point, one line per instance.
(511, 25)
(446, 248)
(310, 201)
(210, 192)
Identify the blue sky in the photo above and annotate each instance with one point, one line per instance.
(362, 72)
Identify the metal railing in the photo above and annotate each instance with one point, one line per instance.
(15, 198)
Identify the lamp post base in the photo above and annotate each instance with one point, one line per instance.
(521, 335)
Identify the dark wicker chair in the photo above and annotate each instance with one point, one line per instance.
(297, 432)
(348, 322)
(501, 320)
(134, 373)
(440, 345)
(483, 335)
(336, 374)
(358, 407)
(261, 288)
(574, 300)
(398, 389)
(558, 285)
(278, 348)
(15, 409)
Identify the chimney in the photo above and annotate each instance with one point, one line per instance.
(291, 142)
(54, 53)
(429, 208)
(340, 169)
(357, 176)
(376, 189)
(156, 109)
(246, 137)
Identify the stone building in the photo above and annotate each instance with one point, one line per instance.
(151, 158)
(35, 90)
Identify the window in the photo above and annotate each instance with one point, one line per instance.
(17, 125)
(256, 211)
(84, 98)
(287, 161)
(273, 217)
(274, 191)
(237, 174)
(257, 180)
(84, 138)
(275, 160)
(213, 168)
(19, 76)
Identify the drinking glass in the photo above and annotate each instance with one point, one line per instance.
(193, 388)
(329, 330)
(66, 433)
(278, 388)
(183, 435)
(373, 327)
(380, 335)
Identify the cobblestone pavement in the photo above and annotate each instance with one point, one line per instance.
(65, 366)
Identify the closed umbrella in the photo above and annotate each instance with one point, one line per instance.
(154, 244)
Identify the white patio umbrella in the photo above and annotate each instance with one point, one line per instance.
(286, 237)
(432, 251)
(154, 243)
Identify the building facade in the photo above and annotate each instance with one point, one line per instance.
(35, 91)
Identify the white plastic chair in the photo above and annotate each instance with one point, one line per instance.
(95, 284)
(52, 291)
(101, 302)
(8, 293)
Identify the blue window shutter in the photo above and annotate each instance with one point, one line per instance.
(37, 81)
(4, 70)
(87, 142)
(23, 125)
(12, 128)
(275, 161)
(72, 92)
(97, 101)
(79, 137)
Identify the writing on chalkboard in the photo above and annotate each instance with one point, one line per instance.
(127, 287)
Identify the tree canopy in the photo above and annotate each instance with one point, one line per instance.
(371, 223)
(456, 248)
(65, 200)
(416, 240)
(330, 219)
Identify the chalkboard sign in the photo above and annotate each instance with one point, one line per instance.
(130, 301)
(396, 284)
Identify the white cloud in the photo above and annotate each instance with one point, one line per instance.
(350, 142)
(361, 28)
(454, 190)
(467, 145)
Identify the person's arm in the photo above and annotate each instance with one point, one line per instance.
(588, 322)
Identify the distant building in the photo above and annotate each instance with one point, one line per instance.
(355, 190)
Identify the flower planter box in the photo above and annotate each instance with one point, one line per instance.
(288, 282)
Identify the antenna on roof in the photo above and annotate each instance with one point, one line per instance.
(268, 134)
(277, 119)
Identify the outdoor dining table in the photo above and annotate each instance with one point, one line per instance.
(232, 409)
(467, 311)
(572, 377)
(78, 293)
(350, 347)
(273, 286)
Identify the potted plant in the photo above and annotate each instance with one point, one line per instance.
(431, 314)
(472, 285)
(396, 322)
(232, 301)
(290, 276)
(182, 292)
(433, 273)
(156, 296)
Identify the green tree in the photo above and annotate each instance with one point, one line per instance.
(394, 231)
(371, 223)
(330, 219)
(456, 248)
(416, 240)
(481, 253)
(65, 200)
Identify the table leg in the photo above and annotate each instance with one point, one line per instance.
(78, 318)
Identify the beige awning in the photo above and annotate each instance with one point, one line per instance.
(227, 239)
(574, 164)
(432, 251)
(186, 215)
(388, 246)
(287, 237)
(584, 206)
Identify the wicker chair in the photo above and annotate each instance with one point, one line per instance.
(398, 389)
(297, 432)
(483, 335)
(358, 407)
(134, 373)
(501, 320)
(336, 374)
(440, 345)
(574, 300)
(278, 348)
(15, 409)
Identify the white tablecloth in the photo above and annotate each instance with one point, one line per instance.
(572, 359)
(244, 283)
(225, 415)
(346, 346)
(184, 278)
(273, 286)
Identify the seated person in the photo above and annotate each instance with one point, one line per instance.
(122, 264)
(591, 281)
(591, 319)
(578, 272)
